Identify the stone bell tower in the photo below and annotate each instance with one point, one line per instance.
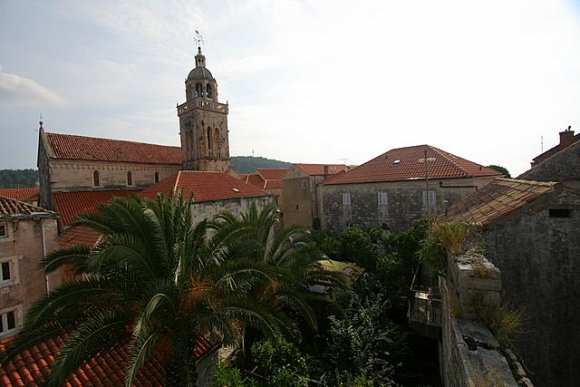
(203, 122)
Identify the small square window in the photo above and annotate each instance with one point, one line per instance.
(382, 198)
(346, 199)
(8, 322)
(3, 231)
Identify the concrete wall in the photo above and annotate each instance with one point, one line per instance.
(27, 242)
(539, 259)
(404, 205)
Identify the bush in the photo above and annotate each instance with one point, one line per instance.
(227, 377)
(281, 362)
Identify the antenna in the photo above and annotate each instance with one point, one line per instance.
(198, 39)
(542, 144)
(344, 160)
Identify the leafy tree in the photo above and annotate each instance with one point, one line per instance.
(18, 178)
(227, 377)
(282, 363)
(154, 282)
(248, 164)
(501, 169)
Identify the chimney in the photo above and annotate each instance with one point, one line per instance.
(566, 138)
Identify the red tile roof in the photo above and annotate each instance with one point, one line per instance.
(78, 236)
(273, 184)
(255, 180)
(13, 207)
(72, 147)
(107, 369)
(22, 194)
(412, 163)
(271, 173)
(322, 169)
(204, 186)
(497, 199)
(69, 205)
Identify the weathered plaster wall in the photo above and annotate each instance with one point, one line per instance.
(27, 242)
(404, 205)
(539, 257)
(207, 210)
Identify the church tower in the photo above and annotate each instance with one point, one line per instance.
(203, 122)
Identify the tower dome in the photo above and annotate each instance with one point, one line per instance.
(200, 71)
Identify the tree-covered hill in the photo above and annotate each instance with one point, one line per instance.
(17, 178)
(248, 164)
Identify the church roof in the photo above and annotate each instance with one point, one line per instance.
(200, 73)
(496, 199)
(272, 173)
(73, 147)
(22, 194)
(204, 186)
(69, 205)
(412, 163)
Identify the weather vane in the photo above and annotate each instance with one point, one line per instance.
(198, 39)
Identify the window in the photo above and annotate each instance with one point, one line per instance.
(3, 231)
(208, 91)
(560, 212)
(208, 137)
(198, 90)
(7, 322)
(156, 177)
(129, 178)
(304, 184)
(96, 181)
(346, 199)
(382, 198)
(429, 199)
(5, 272)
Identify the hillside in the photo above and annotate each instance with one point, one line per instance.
(17, 178)
(248, 164)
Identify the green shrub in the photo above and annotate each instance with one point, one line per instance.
(227, 377)
(281, 362)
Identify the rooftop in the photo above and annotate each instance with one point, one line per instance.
(497, 199)
(69, 205)
(412, 163)
(203, 186)
(321, 169)
(22, 194)
(72, 147)
(12, 207)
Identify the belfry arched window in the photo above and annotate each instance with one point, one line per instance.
(208, 137)
(198, 90)
(96, 181)
(129, 178)
(217, 138)
(208, 91)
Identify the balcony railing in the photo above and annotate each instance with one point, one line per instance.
(202, 104)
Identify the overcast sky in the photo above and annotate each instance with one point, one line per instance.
(307, 81)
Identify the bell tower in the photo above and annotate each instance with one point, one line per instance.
(203, 121)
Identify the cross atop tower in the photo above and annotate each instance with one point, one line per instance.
(198, 39)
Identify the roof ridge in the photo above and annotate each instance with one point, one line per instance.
(529, 182)
(110, 139)
(446, 156)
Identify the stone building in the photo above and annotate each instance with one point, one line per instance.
(27, 233)
(567, 138)
(531, 233)
(268, 179)
(398, 187)
(300, 191)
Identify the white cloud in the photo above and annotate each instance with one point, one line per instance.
(16, 90)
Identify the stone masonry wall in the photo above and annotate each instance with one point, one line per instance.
(538, 255)
(405, 202)
(207, 210)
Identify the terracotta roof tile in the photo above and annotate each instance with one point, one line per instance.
(322, 169)
(204, 186)
(22, 194)
(13, 207)
(255, 180)
(76, 236)
(496, 199)
(106, 369)
(412, 163)
(72, 147)
(69, 205)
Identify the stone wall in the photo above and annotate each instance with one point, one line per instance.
(471, 356)
(561, 166)
(28, 241)
(299, 200)
(207, 210)
(538, 254)
(405, 202)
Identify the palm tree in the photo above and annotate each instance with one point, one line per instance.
(154, 282)
(292, 261)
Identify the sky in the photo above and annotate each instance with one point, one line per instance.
(319, 81)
